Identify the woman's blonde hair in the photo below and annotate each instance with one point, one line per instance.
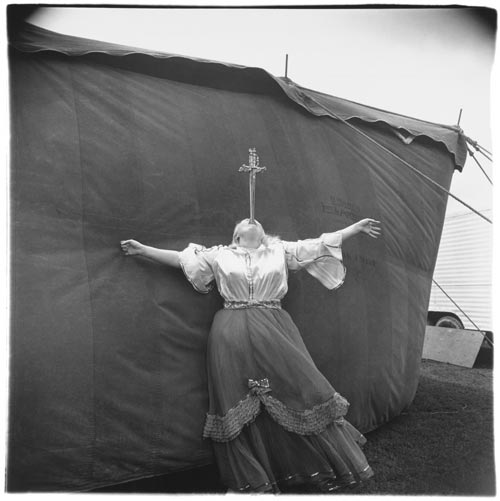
(266, 239)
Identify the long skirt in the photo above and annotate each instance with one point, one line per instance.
(274, 419)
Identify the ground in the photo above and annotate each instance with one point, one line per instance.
(441, 445)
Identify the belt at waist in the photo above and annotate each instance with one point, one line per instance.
(240, 305)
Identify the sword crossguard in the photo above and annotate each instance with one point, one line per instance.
(249, 168)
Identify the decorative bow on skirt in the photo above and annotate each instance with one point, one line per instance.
(259, 386)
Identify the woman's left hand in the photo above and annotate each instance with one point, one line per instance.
(370, 226)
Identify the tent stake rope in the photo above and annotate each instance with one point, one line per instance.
(485, 155)
(471, 153)
(463, 312)
(414, 169)
(480, 148)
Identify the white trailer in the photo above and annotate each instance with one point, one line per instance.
(464, 273)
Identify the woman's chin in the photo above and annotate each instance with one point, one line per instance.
(250, 245)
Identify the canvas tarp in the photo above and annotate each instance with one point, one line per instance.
(107, 373)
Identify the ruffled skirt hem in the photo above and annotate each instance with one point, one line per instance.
(318, 482)
(303, 422)
(265, 457)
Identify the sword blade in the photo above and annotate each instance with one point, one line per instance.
(251, 183)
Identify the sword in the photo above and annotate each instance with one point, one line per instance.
(253, 169)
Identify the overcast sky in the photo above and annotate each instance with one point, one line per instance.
(426, 63)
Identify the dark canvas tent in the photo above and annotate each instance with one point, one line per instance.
(108, 142)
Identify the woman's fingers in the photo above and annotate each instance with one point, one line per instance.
(374, 228)
(374, 225)
(125, 245)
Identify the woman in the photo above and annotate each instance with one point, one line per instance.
(274, 420)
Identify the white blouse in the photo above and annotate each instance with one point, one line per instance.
(261, 274)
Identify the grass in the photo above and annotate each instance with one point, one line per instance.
(442, 445)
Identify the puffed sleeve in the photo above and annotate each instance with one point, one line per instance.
(197, 264)
(321, 257)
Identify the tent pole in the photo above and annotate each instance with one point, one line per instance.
(459, 117)
(286, 66)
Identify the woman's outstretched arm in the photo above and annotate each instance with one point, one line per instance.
(163, 256)
(369, 226)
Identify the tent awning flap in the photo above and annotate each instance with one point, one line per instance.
(246, 79)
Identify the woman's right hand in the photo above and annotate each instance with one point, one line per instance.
(132, 247)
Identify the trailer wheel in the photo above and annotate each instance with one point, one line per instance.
(449, 322)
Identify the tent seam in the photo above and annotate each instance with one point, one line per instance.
(94, 419)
